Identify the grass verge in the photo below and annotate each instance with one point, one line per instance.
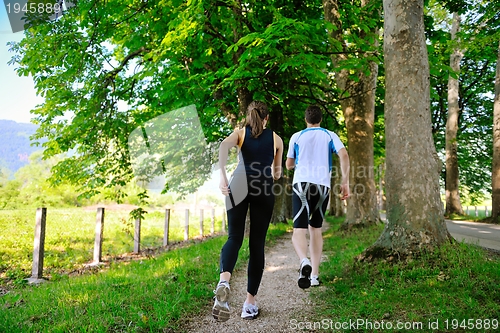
(153, 295)
(454, 289)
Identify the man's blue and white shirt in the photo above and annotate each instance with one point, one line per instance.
(312, 149)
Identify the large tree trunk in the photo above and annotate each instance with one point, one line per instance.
(335, 206)
(282, 187)
(414, 208)
(358, 106)
(453, 205)
(283, 200)
(359, 112)
(495, 175)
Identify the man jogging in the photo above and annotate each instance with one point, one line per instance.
(310, 154)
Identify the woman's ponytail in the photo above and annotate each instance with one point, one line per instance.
(257, 112)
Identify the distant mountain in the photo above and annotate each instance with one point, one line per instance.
(15, 145)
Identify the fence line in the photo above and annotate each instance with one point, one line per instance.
(166, 228)
(186, 225)
(41, 221)
(39, 246)
(476, 211)
(40, 231)
(137, 235)
(201, 222)
(99, 233)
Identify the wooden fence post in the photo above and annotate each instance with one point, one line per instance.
(212, 228)
(39, 246)
(99, 231)
(186, 225)
(467, 210)
(165, 232)
(137, 235)
(201, 222)
(223, 220)
(476, 210)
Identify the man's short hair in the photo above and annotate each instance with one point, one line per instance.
(313, 114)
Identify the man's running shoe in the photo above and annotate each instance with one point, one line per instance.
(305, 273)
(221, 311)
(314, 281)
(249, 311)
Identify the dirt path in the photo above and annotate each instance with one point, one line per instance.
(280, 299)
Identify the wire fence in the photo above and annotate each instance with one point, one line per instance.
(478, 211)
(174, 225)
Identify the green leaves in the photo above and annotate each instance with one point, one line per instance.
(476, 88)
(106, 69)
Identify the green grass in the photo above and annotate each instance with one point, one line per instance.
(449, 287)
(153, 295)
(69, 240)
(457, 282)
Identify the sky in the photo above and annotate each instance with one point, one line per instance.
(17, 94)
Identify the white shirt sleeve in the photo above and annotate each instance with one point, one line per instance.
(337, 144)
(291, 146)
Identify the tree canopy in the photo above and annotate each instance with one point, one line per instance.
(106, 69)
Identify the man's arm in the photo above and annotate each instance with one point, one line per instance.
(290, 163)
(344, 167)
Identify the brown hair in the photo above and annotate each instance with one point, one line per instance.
(313, 114)
(257, 112)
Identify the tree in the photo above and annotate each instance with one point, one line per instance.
(414, 208)
(495, 177)
(453, 205)
(336, 206)
(477, 31)
(357, 98)
(9, 193)
(106, 69)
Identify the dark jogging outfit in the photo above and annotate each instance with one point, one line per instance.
(250, 188)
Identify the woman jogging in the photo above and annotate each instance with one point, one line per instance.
(260, 161)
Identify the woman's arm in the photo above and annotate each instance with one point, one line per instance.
(278, 158)
(228, 143)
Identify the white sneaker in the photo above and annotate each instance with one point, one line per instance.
(314, 281)
(220, 310)
(305, 273)
(249, 311)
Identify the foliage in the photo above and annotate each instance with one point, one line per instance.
(106, 69)
(476, 79)
(30, 188)
(8, 193)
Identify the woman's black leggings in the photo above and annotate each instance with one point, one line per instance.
(260, 201)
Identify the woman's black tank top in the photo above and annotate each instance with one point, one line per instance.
(257, 154)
